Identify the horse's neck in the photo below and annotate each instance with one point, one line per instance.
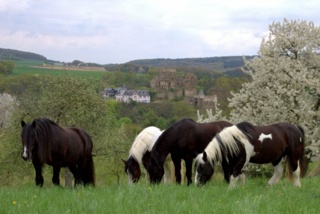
(162, 153)
(165, 144)
(139, 149)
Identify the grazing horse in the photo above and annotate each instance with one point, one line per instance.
(139, 150)
(237, 145)
(45, 142)
(183, 140)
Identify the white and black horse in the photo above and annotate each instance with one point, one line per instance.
(237, 145)
(139, 150)
(183, 140)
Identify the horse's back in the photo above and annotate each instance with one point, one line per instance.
(188, 135)
(144, 142)
(77, 144)
(271, 142)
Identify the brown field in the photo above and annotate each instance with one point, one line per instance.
(70, 68)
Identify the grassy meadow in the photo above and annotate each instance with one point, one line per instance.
(36, 67)
(20, 195)
(253, 197)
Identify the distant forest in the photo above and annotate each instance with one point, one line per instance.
(15, 55)
(228, 65)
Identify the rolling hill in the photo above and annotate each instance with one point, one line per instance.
(230, 65)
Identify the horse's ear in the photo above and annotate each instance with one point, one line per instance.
(23, 123)
(204, 156)
(123, 161)
(34, 124)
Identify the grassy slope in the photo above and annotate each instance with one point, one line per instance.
(254, 197)
(26, 67)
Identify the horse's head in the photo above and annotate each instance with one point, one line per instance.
(203, 169)
(28, 139)
(155, 170)
(132, 168)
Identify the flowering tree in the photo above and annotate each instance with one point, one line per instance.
(284, 84)
(285, 81)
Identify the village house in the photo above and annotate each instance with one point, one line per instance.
(123, 94)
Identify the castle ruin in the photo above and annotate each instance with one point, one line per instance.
(169, 86)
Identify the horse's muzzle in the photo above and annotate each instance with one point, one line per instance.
(25, 156)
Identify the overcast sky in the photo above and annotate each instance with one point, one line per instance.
(118, 31)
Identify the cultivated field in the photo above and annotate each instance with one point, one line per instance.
(36, 67)
(254, 197)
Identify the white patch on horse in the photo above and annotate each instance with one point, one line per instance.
(24, 154)
(265, 136)
(196, 179)
(129, 177)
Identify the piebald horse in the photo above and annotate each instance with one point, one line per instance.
(183, 140)
(239, 144)
(140, 149)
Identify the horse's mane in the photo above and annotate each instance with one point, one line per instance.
(225, 143)
(213, 152)
(246, 127)
(168, 138)
(144, 142)
(44, 137)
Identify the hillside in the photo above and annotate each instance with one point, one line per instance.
(230, 65)
(212, 63)
(10, 54)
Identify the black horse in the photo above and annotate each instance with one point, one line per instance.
(183, 140)
(237, 145)
(45, 142)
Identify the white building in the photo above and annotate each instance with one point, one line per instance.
(123, 94)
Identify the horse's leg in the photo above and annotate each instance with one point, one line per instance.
(74, 170)
(55, 177)
(177, 167)
(294, 164)
(233, 181)
(278, 171)
(296, 176)
(237, 171)
(39, 178)
(226, 171)
(242, 178)
(189, 171)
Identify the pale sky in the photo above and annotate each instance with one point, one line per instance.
(118, 31)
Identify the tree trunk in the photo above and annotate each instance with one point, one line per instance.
(68, 178)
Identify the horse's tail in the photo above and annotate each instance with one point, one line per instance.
(303, 161)
(303, 165)
(88, 172)
(290, 170)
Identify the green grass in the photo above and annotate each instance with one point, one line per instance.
(254, 197)
(26, 67)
